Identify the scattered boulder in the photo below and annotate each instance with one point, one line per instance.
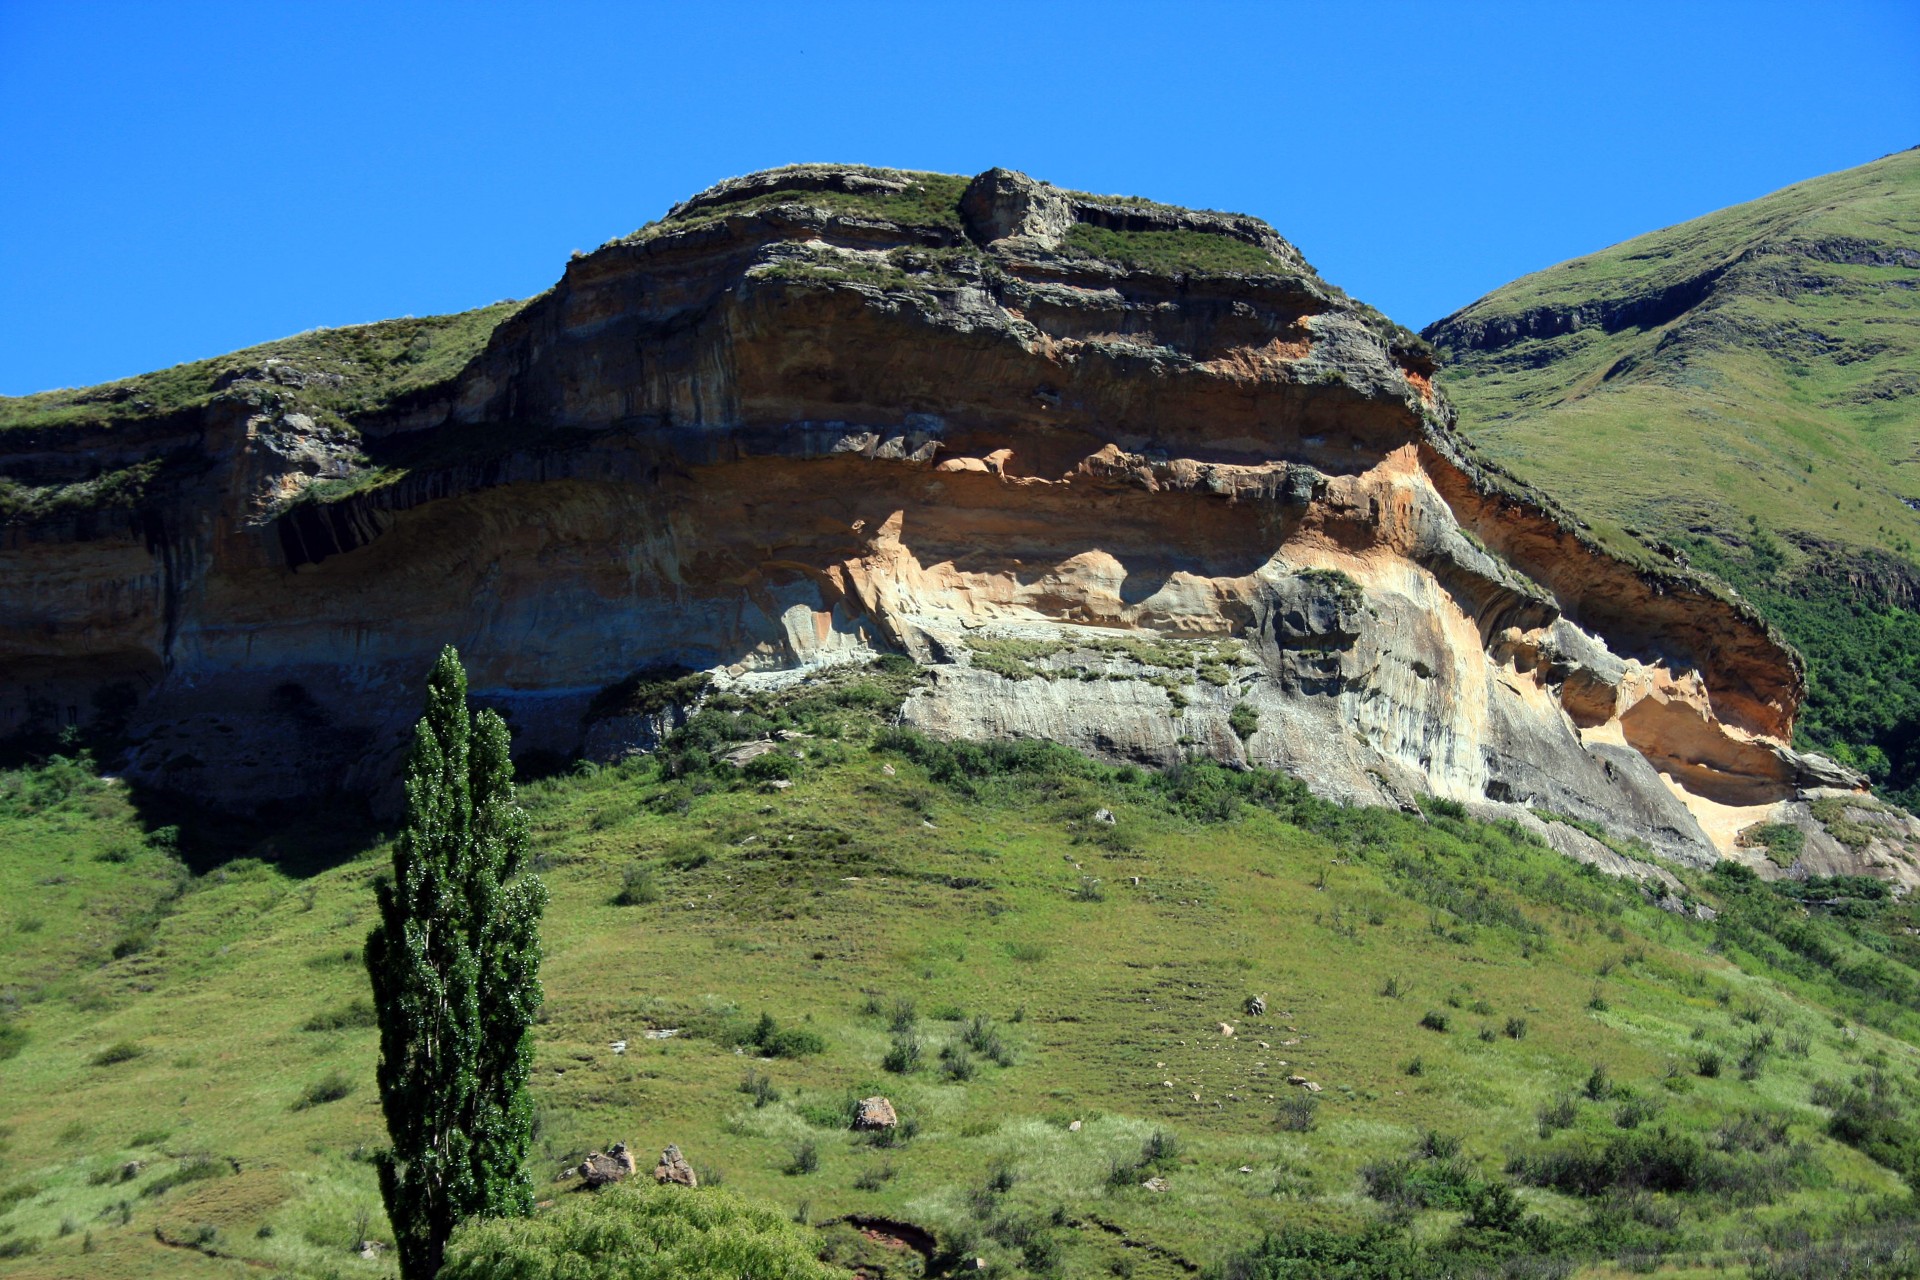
(741, 755)
(886, 770)
(1073, 1127)
(1104, 816)
(372, 1249)
(1256, 1006)
(673, 1167)
(874, 1113)
(1225, 1028)
(603, 1167)
(1155, 1183)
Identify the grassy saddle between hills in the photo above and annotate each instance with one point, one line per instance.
(1133, 1024)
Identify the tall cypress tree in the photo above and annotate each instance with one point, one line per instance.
(455, 964)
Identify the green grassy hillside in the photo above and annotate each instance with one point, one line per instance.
(1517, 1057)
(1742, 388)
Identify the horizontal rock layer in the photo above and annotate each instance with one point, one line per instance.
(818, 414)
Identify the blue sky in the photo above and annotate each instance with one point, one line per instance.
(183, 179)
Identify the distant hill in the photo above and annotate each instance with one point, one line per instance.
(1745, 389)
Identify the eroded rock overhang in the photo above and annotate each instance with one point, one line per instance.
(1104, 503)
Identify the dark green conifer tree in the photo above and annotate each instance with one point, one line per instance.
(455, 963)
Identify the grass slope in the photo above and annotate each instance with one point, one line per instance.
(1740, 386)
(188, 1080)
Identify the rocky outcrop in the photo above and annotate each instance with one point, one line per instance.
(1120, 475)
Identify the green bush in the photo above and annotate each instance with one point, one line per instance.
(1782, 840)
(776, 1041)
(330, 1088)
(353, 1014)
(192, 1169)
(122, 1051)
(639, 1232)
(638, 887)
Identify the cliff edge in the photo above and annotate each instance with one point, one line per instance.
(1125, 476)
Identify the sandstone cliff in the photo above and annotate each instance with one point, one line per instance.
(1121, 475)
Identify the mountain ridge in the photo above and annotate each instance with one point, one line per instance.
(1736, 391)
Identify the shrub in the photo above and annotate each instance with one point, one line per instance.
(1868, 1116)
(1635, 1112)
(1160, 1149)
(872, 1179)
(1243, 720)
(1434, 1020)
(804, 1159)
(1783, 841)
(638, 888)
(956, 1061)
(1446, 1183)
(759, 1087)
(903, 1055)
(330, 1088)
(354, 1014)
(1708, 1064)
(13, 1039)
(1298, 1113)
(775, 1041)
(981, 1036)
(1558, 1114)
(192, 1169)
(1661, 1160)
(634, 1231)
(120, 1051)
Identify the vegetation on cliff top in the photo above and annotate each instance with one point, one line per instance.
(1517, 1056)
(931, 201)
(341, 372)
(1739, 387)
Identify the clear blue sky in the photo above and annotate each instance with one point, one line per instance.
(182, 179)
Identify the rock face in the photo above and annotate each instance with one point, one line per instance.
(612, 1165)
(673, 1167)
(874, 1113)
(1124, 476)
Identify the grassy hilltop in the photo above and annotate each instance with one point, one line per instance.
(1741, 388)
(1517, 1056)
